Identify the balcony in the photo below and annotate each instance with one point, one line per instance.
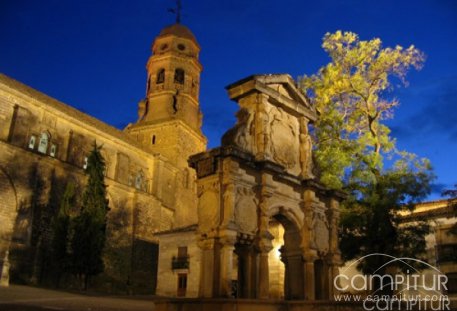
(180, 263)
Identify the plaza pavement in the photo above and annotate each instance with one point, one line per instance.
(26, 298)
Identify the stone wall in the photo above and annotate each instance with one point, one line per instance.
(34, 171)
(167, 278)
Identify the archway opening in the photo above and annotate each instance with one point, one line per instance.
(289, 273)
(275, 265)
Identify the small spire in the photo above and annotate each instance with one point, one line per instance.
(177, 11)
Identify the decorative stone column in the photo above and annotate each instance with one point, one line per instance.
(264, 239)
(206, 289)
(228, 201)
(334, 256)
(308, 268)
(5, 270)
(265, 246)
(333, 272)
(262, 128)
(226, 264)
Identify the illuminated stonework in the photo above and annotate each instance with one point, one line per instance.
(257, 192)
(44, 145)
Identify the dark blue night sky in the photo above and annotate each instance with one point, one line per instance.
(92, 56)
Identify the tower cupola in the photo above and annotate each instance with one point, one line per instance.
(172, 90)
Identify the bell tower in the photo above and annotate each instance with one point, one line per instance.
(169, 118)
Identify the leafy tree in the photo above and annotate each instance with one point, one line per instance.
(349, 96)
(89, 226)
(352, 142)
(372, 219)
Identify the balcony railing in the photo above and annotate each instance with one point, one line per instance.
(180, 263)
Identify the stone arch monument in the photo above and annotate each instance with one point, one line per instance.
(261, 174)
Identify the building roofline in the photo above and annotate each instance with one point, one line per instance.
(68, 110)
(189, 228)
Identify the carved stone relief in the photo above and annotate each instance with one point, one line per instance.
(241, 134)
(263, 129)
(246, 210)
(321, 232)
(284, 140)
(208, 207)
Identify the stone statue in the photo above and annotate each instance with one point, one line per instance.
(306, 159)
(240, 135)
(4, 272)
(142, 108)
(263, 130)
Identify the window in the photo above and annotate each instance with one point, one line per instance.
(43, 144)
(182, 252)
(181, 47)
(32, 142)
(139, 180)
(160, 76)
(153, 139)
(148, 86)
(179, 76)
(53, 151)
(85, 162)
(182, 284)
(182, 260)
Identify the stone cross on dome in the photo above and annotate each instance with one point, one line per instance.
(177, 11)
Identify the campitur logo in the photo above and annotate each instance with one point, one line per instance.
(397, 284)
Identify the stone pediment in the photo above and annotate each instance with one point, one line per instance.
(272, 123)
(279, 87)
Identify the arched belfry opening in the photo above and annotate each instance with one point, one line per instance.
(266, 227)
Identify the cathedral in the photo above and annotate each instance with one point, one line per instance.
(247, 219)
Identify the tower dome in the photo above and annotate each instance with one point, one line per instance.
(178, 30)
(169, 117)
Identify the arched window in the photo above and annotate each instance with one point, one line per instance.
(160, 76)
(32, 142)
(53, 151)
(153, 139)
(139, 180)
(43, 145)
(179, 76)
(85, 162)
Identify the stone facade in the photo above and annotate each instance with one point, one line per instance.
(441, 255)
(180, 262)
(262, 178)
(44, 145)
(254, 193)
(440, 243)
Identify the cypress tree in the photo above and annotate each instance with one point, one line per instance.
(61, 231)
(89, 226)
